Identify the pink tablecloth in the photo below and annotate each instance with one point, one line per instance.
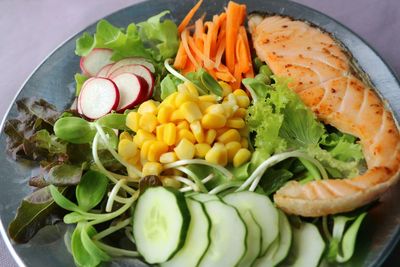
(30, 30)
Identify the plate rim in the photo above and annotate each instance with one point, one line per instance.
(389, 246)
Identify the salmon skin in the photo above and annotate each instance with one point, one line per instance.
(322, 76)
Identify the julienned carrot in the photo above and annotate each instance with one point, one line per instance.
(188, 17)
(243, 33)
(233, 21)
(220, 46)
(181, 57)
(184, 38)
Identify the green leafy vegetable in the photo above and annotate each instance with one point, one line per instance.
(62, 201)
(204, 82)
(162, 37)
(64, 174)
(81, 255)
(169, 85)
(342, 245)
(35, 211)
(33, 115)
(74, 130)
(91, 190)
(80, 79)
(113, 121)
(84, 45)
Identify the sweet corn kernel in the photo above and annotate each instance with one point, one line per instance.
(185, 149)
(229, 136)
(182, 98)
(201, 150)
(232, 148)
(226, 88)
(171, 182)
(229, 109)
(168, 157)
(240, 112)
(152, 168)
(156, 149)
(191, 111)
(213, 121)
(244, 142)
(239, 92)
(222, 130)
(160, 132)
(216, 109)
(191, 88)
(170, 100)
(149, 106)
(182, 125)
(169, 134)
(217, 154)
(210, 136)
(134, 160)
(145, 149)
(242, 156)
(148, 122)
(127, 149)
(125, 135)
(132, 121)
(236, 123)
(184, 133)
(203, 105)
(243, 101)
(177, 115)
(142, 136)
(164, 113)
(197, 131)
(208, 98)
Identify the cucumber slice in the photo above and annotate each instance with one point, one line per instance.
(254, 239)
(160, 222)
(263, 211)
(307, 247)
(197, 238)
(279, 249)
(204, 197)
(227, 236)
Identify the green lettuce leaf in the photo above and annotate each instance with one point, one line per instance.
(169, 85)
(161, 37)
(80, 79)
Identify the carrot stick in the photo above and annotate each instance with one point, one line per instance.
(199, 53)
(243, 33)
(184, 38)
(207, 44)
(241, 55)
(181, 58)
(233, 21)
(238, 77)
(188, 17)
(220, 53)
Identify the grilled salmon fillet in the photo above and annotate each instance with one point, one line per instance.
(322, 76)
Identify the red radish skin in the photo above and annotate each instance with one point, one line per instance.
(104, 70)
(98, 97)
(130, 61)
(138, 70)
(95, 60)
(132, 88)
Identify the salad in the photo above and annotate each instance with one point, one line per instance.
(177, 140)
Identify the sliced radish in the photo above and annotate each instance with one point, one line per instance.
(98, 97)
(138, 70)
(130, 61)
(132, 88)
(95, 60)
(104, 70)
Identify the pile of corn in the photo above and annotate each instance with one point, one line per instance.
(187, 126)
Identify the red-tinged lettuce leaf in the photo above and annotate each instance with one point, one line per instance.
(35, 211)
(23, 139)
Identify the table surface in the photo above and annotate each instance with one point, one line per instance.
(34, 28)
